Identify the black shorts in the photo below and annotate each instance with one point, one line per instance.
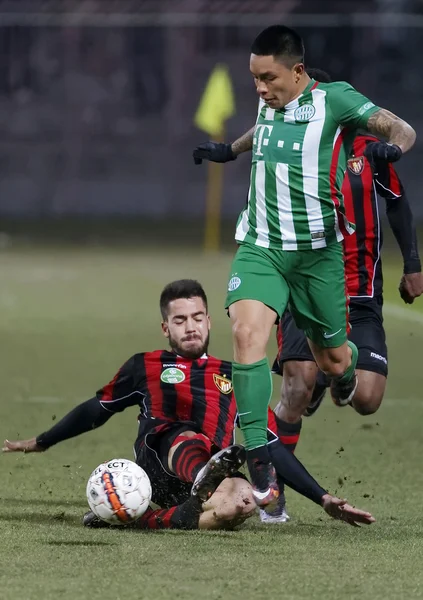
(152, 451)
(367, 333)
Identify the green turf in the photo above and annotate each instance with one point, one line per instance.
(68, 319)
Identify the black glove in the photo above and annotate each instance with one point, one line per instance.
(382, 151)
(213, 151)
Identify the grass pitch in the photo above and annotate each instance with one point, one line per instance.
(68, 320)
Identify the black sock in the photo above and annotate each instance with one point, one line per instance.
(258, 461)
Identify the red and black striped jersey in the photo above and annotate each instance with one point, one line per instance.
(174, 389)
(362, 184)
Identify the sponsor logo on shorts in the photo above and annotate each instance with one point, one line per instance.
(365, 108)
(172, 375)
(304, 113)
(356, 165)
(222, 383)
(327, 336)
(234, 284)
(378, 357)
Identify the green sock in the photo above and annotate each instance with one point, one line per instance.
(253, 391)
(349, 373)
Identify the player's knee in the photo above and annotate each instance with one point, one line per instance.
(335, 361)
(187, 434)
(367, 401)
(370, 391)
(247, 335)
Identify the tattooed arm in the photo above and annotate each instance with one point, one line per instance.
(388, 125)
(244, 143)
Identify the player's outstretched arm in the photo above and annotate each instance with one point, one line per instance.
(295, 475)
(400, 135)
(84, 417)
(220, 152)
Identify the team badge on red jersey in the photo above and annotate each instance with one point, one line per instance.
(356, 165)
(222, 384)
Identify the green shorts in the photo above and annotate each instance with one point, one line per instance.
(312, 282)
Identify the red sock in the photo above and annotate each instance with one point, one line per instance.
(190, 456)
(289, 433)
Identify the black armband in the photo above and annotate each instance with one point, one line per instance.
(84, 417)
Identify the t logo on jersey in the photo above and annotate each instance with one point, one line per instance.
(224, 385)
(356, 165)
(261, 137)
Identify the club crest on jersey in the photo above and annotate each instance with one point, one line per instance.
(172, 375)
(222, 383)
(356, 165)
(234, 284)
(304, 113)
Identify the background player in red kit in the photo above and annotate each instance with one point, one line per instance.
(187, 413)
(303, 386)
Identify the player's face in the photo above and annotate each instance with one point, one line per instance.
(187, 327)
(276, 83)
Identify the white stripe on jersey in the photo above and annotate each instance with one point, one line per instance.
(269, 115)
(283, 193)
(242, 229)
(310, 163)
(262, 228)
(285, 208)
(260, 106)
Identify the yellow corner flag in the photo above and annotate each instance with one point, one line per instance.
(217, 102)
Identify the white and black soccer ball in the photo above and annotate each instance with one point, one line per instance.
(118, 491)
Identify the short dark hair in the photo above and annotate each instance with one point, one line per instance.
(319, 75)
(182, 288)
(281, 42)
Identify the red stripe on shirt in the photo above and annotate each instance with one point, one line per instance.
(332, 179)
(271, 421)
(211, 392)
(394, 182)
(350, 243)
(153, 371)
(369, 219)
(107, 395)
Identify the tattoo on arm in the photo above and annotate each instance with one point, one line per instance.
(244, 143)
(398, 132)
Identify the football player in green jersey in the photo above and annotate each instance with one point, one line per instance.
(290, 232)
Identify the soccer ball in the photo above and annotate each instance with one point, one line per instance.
(118, 491)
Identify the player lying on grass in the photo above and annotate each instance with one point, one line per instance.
(304, 386)
(290, 233)
(186, 426)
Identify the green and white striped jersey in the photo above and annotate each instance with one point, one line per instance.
(299, 159)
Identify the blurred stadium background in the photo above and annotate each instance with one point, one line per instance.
(97, 98)
(101, 206)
